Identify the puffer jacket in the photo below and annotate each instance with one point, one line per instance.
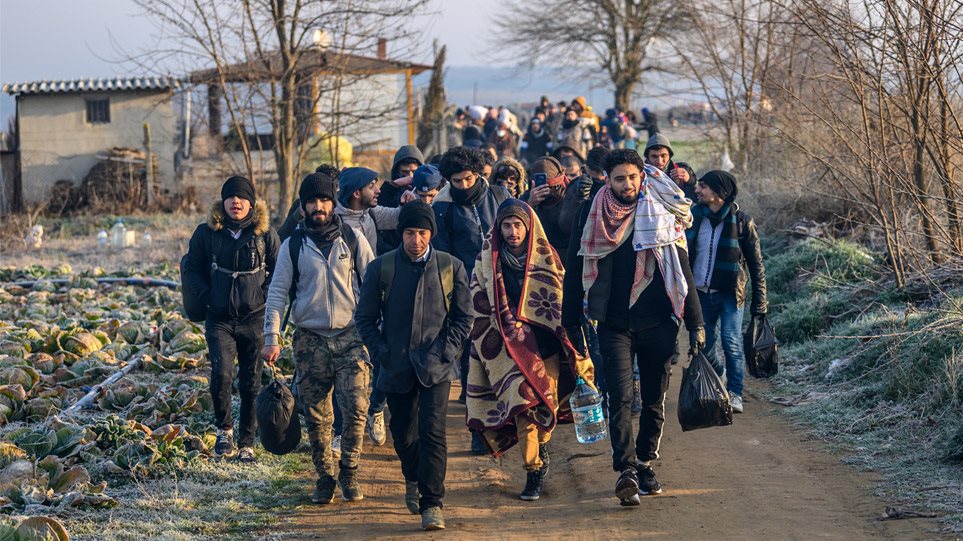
(226, 294)
(461, 228)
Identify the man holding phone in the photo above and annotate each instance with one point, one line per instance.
(548, 191)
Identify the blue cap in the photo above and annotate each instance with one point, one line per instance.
(426, 178)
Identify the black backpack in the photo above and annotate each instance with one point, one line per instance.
(194, 307)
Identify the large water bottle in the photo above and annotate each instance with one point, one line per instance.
(118, 234)
(587, 412)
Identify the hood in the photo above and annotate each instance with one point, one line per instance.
(581, 101)
(567, 143)
(404, 153)
(516, 165)
(342, 210)
(262, 217)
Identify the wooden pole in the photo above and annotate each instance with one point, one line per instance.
(150, 166)
(411, 108)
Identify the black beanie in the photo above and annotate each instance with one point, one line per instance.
(722, 183)
(240, 187)
(416, 214)
(318, 185)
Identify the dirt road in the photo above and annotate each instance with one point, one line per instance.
(756, 479)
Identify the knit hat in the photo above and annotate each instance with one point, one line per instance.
(317, 185)
(658, 140)
(240, 187)
(426, 178)
(353, 179)
(417, 214)
(514, 208)
(722, 183)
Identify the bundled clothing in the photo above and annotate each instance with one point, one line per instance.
(522, 363)
(235, 296)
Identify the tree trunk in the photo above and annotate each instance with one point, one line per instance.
(624, 87)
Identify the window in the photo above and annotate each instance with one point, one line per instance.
(98, 110)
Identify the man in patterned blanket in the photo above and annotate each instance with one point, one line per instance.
(522, 363)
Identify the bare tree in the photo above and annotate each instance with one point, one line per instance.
(612, 35)
(434, 108)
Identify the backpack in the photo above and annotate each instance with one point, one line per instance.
(295, 243)
(446, 271)
(194, 307)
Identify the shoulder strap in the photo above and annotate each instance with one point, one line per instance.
(447, 269)
(387, 274)
(294, 250)
(351, 239)
(215, 249)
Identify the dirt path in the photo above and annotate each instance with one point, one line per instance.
(756, 479)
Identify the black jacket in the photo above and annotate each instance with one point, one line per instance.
(689, 187)
(410, 335)
(228, 296)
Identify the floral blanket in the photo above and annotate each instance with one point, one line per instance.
(507, 376)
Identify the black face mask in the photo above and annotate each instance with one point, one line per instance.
(471, 196)
(567, 123)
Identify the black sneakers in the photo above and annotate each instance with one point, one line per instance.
(647, 482)
(323, 491)
(627, 488)
(533, 486)
(350, 489)
(224, 445)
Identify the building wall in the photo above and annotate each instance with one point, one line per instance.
(57, 143)
(381, 95)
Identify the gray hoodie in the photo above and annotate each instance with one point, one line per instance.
(327, 291)
(366, 223)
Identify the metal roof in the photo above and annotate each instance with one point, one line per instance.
(93, 85)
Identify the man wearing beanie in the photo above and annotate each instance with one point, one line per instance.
(465, 214)
(227, 269)
(423, 293)
(658, 153)
(357, 206)
(319, 270)
(523, 366)
(725, 253)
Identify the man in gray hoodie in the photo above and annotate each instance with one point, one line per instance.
(358, 194)
(321, 275)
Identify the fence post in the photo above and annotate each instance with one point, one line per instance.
(150, 166)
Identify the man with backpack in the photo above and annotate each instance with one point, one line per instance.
(423, 292)
(225, 275)
(319, 271)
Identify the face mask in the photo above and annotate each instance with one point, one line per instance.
(500, 133)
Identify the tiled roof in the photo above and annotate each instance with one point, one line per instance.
(93, 85)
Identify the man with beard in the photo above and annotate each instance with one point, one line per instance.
(546, 199)
(465, 214)
(319, 270)
(631, 261)
(537, 141)
(423, 293)
(523, 365)
(658, 153)
(229, 264)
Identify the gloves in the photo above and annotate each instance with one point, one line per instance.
(577, 336)
(584, 187)
(697, 340)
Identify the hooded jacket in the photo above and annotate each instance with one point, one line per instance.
(517, 166)
(366, 223)
(390, 195)
(461, 228)
(228, 296)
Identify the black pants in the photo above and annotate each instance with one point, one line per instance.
(418, 430)
(653, 348)
(228, 340)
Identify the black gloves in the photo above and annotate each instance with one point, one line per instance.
(584, 187)
(697, 340)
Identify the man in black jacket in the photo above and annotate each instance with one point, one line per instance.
(724, 245)
(632, 263)
(228, 267)
(426, 300)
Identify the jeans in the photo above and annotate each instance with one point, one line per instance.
(652, 350)
(418, 430)
(722, 316)
(228, 340)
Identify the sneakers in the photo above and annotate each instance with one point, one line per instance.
(636, 397)
(224, 445)
(533, 486)
(246, 454)
(336, 448)
(323, 491)
(432, 519)
(627, 488)
(736, 401)
(376, 428)
(544, 457)
(350, 489)
(648, 484)
(478, 445)
(412, 496)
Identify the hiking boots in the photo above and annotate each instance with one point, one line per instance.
(323, 491)
(544, 457)
(736, 401)
(636, 397)
(478, 445)
(376, 428)
(224, 445)
(412, 496)
(627, 488)
(336, 448)
(246, 454)
(648, 484)
(533, 486)
(432, 519)
(350, 489)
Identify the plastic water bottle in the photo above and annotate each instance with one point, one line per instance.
(118, 234)
(587, 412)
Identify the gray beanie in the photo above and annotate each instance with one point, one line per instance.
(658, 140)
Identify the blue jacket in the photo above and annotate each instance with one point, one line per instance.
(461, 228)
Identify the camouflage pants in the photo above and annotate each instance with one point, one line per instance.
(322, 363)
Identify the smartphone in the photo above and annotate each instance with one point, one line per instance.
(539, 179)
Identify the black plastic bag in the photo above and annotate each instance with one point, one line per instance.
(278, 424)
(761, 347)
(703, 399)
